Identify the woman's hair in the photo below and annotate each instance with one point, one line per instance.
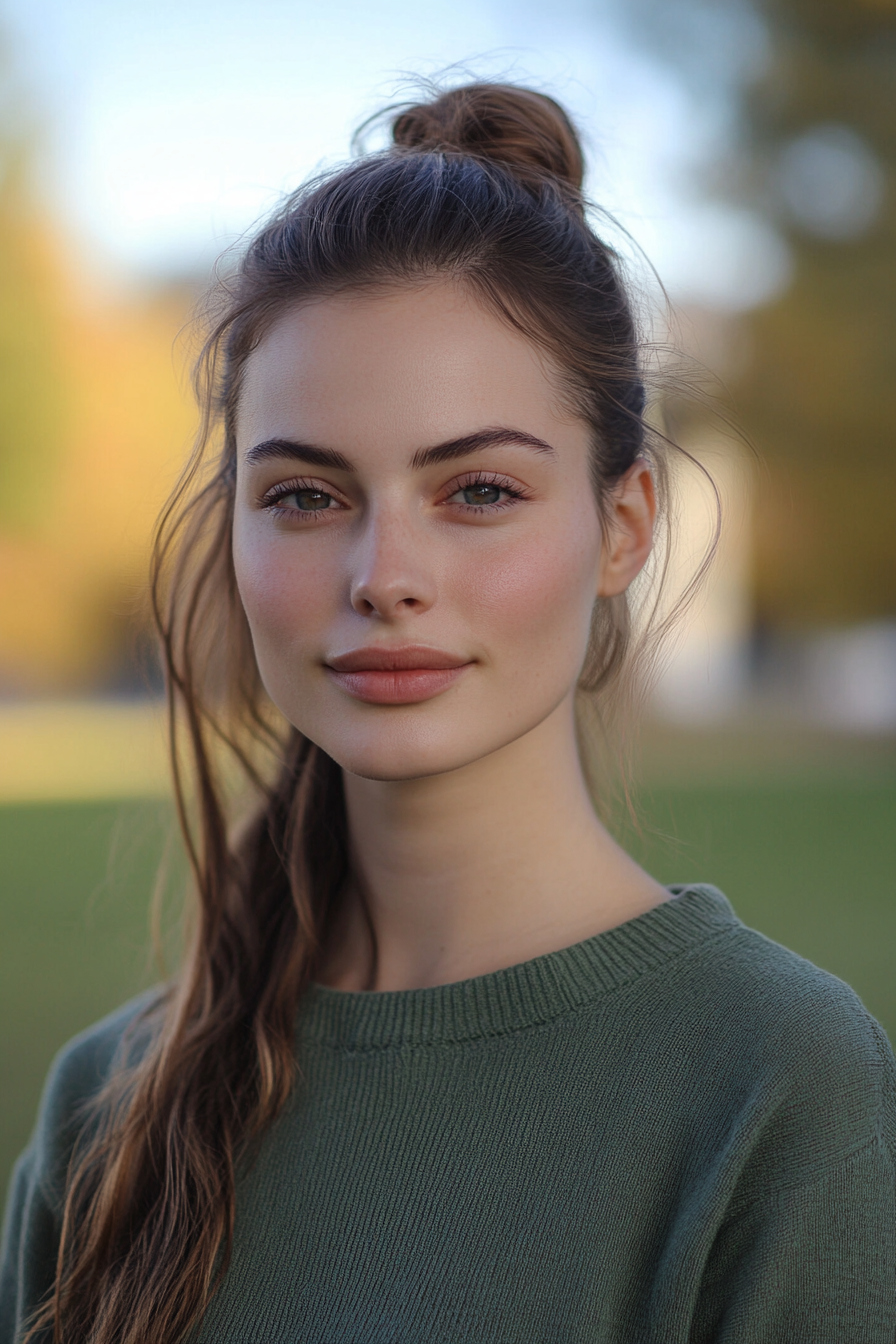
(481, 187)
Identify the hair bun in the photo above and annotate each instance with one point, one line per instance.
(527, 132)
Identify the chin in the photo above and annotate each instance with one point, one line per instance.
(392, 764)
(404, 752)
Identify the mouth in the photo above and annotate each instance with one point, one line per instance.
(396, 676)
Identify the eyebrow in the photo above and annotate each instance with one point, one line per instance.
(298, 452)
(314, 456)
(482, 438)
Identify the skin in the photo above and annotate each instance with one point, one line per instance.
(475, 845)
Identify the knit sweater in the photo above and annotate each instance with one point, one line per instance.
(675, 1132)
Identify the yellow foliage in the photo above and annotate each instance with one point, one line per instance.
(130, 428)
(73, 560)
(32, 391)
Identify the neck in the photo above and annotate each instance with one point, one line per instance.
(463, 873)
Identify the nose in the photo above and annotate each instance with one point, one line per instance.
(392, 575)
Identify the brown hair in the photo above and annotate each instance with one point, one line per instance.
(483, 185)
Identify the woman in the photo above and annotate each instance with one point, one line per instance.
(443, 1063)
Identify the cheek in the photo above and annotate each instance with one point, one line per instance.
(285, 594)
(539, 591)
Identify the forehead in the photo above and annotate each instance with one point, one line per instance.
(416, 363)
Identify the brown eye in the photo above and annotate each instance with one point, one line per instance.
(481, 493)
(310, 501)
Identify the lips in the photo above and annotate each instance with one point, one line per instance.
(396, 676)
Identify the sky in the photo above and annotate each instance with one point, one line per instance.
(171, 127)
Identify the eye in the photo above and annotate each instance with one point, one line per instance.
(299, 499)
(308, 500)
(481, 493)
(485, 493)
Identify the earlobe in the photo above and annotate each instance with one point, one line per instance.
(630, 511)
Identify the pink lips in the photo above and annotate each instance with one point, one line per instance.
(398, 676)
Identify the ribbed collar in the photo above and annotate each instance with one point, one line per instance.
(521, 996)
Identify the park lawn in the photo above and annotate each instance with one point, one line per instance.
(809, 863)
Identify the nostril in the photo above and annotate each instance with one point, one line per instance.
(383, 594)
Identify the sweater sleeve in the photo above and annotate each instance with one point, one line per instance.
(812, 1264)
(30, 1243)
(807, 1252)
(33, 1218)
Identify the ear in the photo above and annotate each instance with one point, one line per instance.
(630, 513)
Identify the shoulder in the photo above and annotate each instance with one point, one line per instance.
(780, 1006)
(76, 1077)
(87, 1061)
(33, 1221)
(813, 1071)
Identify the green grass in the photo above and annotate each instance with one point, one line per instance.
(76, 881)
(811, 864)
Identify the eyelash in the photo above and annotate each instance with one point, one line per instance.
(511, 488)
(284, 489)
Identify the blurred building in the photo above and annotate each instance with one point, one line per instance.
(810, 155)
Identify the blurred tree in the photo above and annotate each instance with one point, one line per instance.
(72, 586)
(31, 383)
(819, 394)
(813, 149)
(94, 422)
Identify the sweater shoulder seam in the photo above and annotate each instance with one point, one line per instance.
(824, 1172)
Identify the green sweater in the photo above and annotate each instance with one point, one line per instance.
(675, 1132)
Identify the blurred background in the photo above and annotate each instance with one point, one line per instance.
(747, 146)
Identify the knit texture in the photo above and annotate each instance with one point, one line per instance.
(676, 1132)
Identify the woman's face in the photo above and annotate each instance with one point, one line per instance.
(416, 539)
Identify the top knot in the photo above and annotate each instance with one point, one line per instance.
(526, 132)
